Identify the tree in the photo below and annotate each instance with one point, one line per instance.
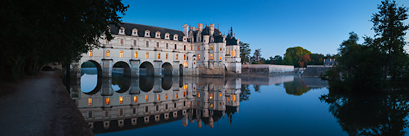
(245, 52)
(389, 32)
(257, 55)
(304, 60)
(316, 59)
(277, 60)
(293, 55)
(39, 32)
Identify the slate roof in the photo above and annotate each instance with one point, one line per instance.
(141, 31)
(231, 40)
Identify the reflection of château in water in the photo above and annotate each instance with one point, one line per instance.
(149, 101)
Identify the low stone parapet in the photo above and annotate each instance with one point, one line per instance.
(266, 69)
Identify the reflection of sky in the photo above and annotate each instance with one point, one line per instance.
(88, 82)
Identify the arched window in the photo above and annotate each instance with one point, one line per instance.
(184, 57)
(147, 43)
(158, 55)
(90, 53)
(107, 101)
(107, 54)
(211, 56)
(229, 52)
(198, 57)
(121, 54)
(234, 53)
(136, 54)
(147, 55)
(177, 56)
(167, 56)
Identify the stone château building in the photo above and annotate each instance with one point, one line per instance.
(150, 50)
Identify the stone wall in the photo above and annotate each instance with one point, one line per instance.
(315, 70)
(266, 69)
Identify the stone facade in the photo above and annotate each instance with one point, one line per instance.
(149, 50)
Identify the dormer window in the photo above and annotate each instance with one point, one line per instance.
(122, 30)
(175, 37)
(184, 38)
(167, 36)
(134, 32)
(157, 35)
(147, 33)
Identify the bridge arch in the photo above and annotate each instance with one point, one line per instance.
(121, 67)
(146, 69)
(91, 67)
(167, 69)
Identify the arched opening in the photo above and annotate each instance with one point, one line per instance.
(180, 70)
(91, 72)
(146, 69)
(167, 69)
(121, 68)
(47, 68)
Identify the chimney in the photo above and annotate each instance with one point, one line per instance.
(192, 28)
(211, 31)
(200, 26)
(186, 30)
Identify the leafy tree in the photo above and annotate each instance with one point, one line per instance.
(316, 59)
(245, 52)
(390, 30)
(293, 55)
(245, 93)
(277, 60)
(39, 32)
(257, 55)
(297, 87)
(304, 60)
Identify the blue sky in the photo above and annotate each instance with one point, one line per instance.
(272, 25)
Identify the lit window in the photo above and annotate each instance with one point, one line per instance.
(220, 48)
(121, 100)
(158, 96)
(211, 47)
(121, 54)
(166, 96)
(234, 53)
(220, 94)
(184, 57)
(158, 55)
(167, 56)
(211, 96)
(191, 102)
(229, 52)
(191, 48)
(177, 56)
(122, 41)
(185, 64)
(89, 101)
(211, 56)
(146, 97)
(234, 97)
(147, 43)
(107, 53)
(90, 53)
(107, 101)
(184, 94)
(228, 99)
(147, 55)
(135, 99)
(198, 57)
(220, 58)
(176, 96)
(198, 48)
(121, 112)
(211, 105)
(106, 113)
(136, 54)
(198, 94)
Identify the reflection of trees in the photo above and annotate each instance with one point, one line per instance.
(245, 93)
(257, 88)
(374, 114)
(297, 87)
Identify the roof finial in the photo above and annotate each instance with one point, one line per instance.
(231, 30)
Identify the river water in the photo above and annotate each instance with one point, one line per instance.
(282, 105)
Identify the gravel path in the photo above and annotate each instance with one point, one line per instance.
(39, 105)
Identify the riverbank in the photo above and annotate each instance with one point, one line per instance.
(39, 105)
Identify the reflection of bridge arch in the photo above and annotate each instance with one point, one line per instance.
(180, 70)
(97, 65)
(146, 83)
(146, 68)
(122, 67)
(167, 69)
(96, 89)
(167, 83)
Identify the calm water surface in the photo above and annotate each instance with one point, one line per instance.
(284, 105)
